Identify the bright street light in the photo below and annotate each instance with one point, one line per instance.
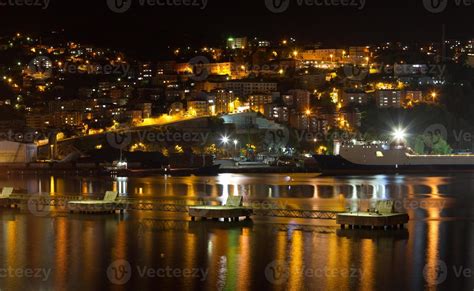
(225, 140)
(399, 134)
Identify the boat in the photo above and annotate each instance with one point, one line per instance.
(382, 157)
(212, 170)
(118, 166)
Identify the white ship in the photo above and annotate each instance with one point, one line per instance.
(383, 157)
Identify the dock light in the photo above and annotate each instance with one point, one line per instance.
(399, 134)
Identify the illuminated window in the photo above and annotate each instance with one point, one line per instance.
(379, 154)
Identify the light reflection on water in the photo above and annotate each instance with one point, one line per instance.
(79, 249)
(306, 191)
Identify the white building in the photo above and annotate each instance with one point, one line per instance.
(244, 89)
(389, 98)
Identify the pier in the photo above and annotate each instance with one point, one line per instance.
(166, 205)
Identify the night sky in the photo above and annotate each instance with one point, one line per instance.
(148, 30)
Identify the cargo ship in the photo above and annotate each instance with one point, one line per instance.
(382, 158)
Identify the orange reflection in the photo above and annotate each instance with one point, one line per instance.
(367, 270)
(296, 262)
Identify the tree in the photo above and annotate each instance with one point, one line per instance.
(432, 145)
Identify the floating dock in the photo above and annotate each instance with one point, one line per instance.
(217, 212)
(232, 211)
(372, 220)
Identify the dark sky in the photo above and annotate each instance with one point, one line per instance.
(147, 29)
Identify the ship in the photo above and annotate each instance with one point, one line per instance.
(384, 158)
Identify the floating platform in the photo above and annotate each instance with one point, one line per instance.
(216, 212)
(232, 211)
(372, 220)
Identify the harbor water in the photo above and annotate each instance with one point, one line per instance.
(143, 250)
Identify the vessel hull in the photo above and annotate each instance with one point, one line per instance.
(328, 164)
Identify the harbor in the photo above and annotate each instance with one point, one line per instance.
(293, 226)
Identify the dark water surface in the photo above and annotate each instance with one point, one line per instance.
(144, 250)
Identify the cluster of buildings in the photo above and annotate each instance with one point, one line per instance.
(83, 89)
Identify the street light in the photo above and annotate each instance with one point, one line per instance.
(399, 134)
(225, 140)
(235, 147)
